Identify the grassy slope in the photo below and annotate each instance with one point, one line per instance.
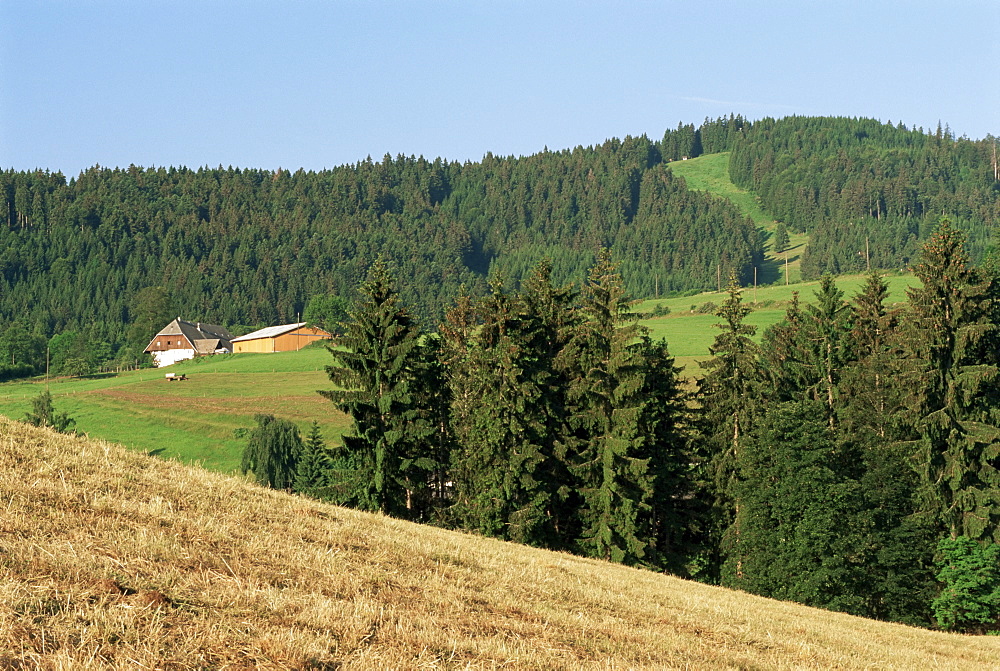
(110, 559)
(193, 420)
(711, 173)
(689, 334)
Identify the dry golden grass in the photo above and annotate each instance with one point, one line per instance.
(111, 559)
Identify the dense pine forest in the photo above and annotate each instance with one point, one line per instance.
(88, 260)
(251, 247)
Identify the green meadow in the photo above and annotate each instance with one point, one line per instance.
(193, 420)
(689, 327)
(710, 173)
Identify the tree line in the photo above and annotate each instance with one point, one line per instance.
(247, 248)
(848, 461)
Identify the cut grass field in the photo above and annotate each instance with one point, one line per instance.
(110, 559)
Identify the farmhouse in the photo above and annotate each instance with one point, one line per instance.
(180, 340)
(284, 338)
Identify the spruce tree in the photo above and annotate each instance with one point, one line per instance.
(376, 361)
(801, 529)
(899, 582)
(953, 376)
(677, 519)
(729, 394)
(507, 411)
(314, 463)
(780, 242)
(809, 351)
(607, 405)
(543, 502)
(486, 424)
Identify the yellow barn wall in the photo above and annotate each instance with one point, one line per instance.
(296, 340)
(260, 345)
(286, 342)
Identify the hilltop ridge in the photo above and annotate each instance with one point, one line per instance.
(111, 558)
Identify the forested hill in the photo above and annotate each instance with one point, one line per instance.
(850, 180)
(249, 247)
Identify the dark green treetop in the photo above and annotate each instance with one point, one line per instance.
(376, 360)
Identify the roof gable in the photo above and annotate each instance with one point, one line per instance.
(194, 333)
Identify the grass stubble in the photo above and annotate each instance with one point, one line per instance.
(113, 559)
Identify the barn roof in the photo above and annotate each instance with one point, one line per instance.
(270, 332)
(193, 333)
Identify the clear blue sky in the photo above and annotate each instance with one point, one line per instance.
(310, 84)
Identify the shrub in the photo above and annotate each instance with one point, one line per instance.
(970, 600)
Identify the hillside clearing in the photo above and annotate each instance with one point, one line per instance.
(710, 173)
(111, 559)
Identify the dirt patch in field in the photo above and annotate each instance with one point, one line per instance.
(292, 407)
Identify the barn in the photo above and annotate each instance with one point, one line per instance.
(180, 340)
(284, 338)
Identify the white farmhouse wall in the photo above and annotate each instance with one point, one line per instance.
(171, 356)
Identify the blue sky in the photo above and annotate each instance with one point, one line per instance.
(318, 84)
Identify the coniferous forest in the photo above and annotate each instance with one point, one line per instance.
(849, 461)
(498, 380)
(247, 248)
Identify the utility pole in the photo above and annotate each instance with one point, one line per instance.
(868, 261)
(755, 285)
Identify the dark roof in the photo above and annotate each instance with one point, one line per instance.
(193, 333)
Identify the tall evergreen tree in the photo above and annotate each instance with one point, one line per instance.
(809, 350)
(729, 394)
(311, 472)
(487, 422)
(678, 516)
(953, 375)
(607, 406)
(508, 411)
(780, 243)
(543, 505)
(376, 360)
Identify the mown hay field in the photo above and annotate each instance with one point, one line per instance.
(110, 559)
